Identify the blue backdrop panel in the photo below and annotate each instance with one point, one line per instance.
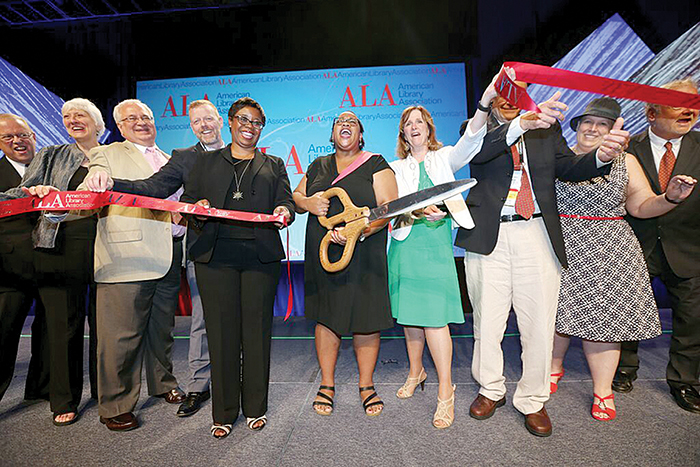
(300, 107)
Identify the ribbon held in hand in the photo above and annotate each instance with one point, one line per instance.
(87, 200)
(548, 76)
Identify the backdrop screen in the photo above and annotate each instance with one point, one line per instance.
(300, 107)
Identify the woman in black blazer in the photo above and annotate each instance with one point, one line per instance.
(238, 264)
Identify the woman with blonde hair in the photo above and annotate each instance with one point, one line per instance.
(423, 284)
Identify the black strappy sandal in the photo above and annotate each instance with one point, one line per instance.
(366, 404)
(317, 404)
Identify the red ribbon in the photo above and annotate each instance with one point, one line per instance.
(548, 76)
(87, 200)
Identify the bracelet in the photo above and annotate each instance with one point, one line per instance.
(482, 108)
(670, 200)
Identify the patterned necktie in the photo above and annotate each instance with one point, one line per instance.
(666, 166)
(524, 204)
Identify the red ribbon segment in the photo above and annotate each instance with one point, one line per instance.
(87, 200)
(548, 76)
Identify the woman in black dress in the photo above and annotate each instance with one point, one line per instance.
(238, 265)
(356, 299)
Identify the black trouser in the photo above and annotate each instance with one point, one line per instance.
(238, 296)
(684, 355)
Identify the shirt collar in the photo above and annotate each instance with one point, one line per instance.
(19, 166)
(657, 140)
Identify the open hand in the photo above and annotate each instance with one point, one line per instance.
(551, 111)
(680, 187)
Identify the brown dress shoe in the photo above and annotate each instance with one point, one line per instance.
(483, 407)
(124, 422)
(174, 396)
(538, 423)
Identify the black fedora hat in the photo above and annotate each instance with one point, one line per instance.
(601, 107)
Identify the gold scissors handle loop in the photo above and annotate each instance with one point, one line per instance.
(355, 220)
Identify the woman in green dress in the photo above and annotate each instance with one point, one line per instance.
(423, 285)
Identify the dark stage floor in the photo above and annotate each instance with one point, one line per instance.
(650, 428)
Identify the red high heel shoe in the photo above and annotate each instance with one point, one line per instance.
(597, 411)
(554, 386)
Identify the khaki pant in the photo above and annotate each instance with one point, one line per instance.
(522, 271)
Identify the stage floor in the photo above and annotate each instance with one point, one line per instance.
(650, 429)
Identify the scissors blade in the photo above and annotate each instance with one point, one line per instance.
(420, 199)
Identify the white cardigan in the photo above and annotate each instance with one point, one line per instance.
(441, 166)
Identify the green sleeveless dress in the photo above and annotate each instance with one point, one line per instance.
(423, 284)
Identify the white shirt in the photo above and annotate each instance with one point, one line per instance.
(658, 148)
(513, 136)
(19, 166)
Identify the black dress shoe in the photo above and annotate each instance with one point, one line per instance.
(124, 422)
(622, 382)
(687, 398)
(193, 402)
(174, 396)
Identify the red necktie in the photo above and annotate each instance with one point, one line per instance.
(666, 166)
(524, 204)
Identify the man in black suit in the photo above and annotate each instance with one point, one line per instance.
(17, 290)
(670, 244)
(515, 253)
(206, 124)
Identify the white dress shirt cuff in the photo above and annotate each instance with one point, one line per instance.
(515, 131)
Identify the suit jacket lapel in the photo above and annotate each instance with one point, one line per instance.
(685, 158)
(646, 158)
(256, 165)
(137, 157)
(222, 181)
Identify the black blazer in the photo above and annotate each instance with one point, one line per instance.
(678, 229)
(16, 248)
(548, 158)
(168, 179)
(211, 178)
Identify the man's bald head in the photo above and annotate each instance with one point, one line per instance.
(17, 140)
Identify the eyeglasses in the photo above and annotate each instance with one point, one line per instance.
(10, 138)
(134, 119)
(243, 120)
(350, 121)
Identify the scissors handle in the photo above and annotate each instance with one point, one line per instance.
(355, 220)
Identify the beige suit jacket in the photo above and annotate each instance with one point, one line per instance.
(132, 244)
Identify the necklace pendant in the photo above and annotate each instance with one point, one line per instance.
(237, 195)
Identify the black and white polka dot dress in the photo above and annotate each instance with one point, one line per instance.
(605, 292)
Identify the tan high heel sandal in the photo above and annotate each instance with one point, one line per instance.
(409, 387)
(442, 413)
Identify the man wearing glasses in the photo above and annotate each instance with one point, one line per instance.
(17, 290)
(670, 244)
(138, 253)
(206, 124)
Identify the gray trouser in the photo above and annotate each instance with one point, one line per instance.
(198, 356)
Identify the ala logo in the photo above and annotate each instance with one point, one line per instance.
(349, 98)
(171, 111)
(52, 203)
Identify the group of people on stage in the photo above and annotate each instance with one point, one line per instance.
(566, 237)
